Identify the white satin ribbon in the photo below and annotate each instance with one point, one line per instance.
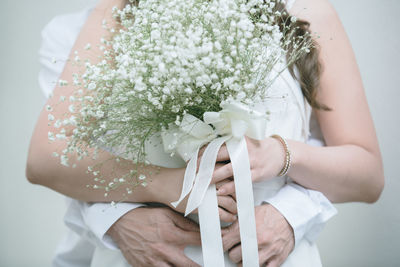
(232, 124)
(186, 140)
(245, 200)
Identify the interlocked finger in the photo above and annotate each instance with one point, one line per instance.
(265, 255)
(227, 189)
(230, 236)
(226, 216)
(222, 173)
(163, 264)
(223, 182)
(235, 254)
(223, 154)
(227, 203)
(177, 258)
(273, 262)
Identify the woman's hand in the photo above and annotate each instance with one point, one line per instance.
(267, 158)
(227, 206)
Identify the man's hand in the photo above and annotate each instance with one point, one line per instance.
(155, 237)
(274, 234)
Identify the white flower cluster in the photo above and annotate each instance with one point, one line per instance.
(172, 57)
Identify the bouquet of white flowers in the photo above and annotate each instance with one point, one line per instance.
(188, 70)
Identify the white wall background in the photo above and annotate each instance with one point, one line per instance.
(31, 216)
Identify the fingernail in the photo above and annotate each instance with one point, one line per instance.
(221, 191)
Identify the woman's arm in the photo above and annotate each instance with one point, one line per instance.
(350, 167)
(46, 170)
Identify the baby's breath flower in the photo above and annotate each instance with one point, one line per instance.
(92, 86)
(51, 136)
(71, 108)
(57, 124)
(64, 160)
(62, 83)
(60, 136)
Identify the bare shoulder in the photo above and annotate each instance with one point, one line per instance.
(321, 15)
(313, 9)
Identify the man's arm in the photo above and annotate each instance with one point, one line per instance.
(306, 211)
(92, 221)
(155, 237)
(146, 236)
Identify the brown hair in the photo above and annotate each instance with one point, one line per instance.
(308, 66)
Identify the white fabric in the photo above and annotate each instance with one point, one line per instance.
(73, 251)
(93, 221)
(84, 218)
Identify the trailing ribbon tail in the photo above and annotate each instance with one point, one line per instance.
(204, 175)
(210, 230)
(204, 197)
(190, 175)
(238, 154)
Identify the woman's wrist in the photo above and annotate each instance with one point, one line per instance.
(286, 155)
(171, 185)
(297, 150)
(165, 185)
(290, 157)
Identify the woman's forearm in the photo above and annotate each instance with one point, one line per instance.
(343, 173)
(43, 168)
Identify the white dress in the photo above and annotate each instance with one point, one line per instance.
(289, 118)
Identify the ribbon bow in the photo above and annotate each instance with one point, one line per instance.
(230, 126)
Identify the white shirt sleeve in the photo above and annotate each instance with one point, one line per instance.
(90, 221)
(307, 211)
(73, 251)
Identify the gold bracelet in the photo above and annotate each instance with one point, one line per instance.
(288, 158)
